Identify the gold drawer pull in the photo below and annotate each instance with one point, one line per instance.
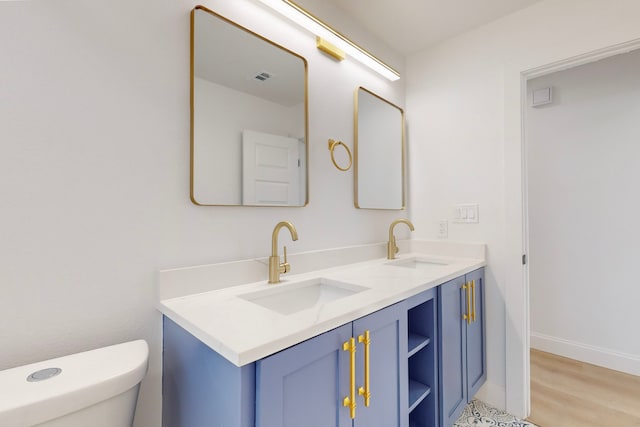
(467, 315)
(365, 391)
(473, 298)
(350, 401)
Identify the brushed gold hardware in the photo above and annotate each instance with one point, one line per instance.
(332, 146)
(473, 298)
(467, 315)
(350, 401)
(392, 248)
(330, 49)
(275, 267)
(385, 69)
(365, 391)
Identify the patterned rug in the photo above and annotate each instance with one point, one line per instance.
(479, 414)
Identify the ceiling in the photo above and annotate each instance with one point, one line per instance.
(409, 26)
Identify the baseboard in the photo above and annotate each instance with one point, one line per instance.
(492, 394)
(599, 356)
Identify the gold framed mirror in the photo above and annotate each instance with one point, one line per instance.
(249, 117)
(379, 152)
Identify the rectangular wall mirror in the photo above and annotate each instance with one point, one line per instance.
(249, 108)
(379, 152)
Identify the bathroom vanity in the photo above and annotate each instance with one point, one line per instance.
(371, 343)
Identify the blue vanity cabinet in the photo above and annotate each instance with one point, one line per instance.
(424, 356)
(305, 385)
(200, 388)
(462, 369)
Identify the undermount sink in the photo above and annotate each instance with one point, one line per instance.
(294, 297)
(419, 263)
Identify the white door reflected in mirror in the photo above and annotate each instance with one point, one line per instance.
(379, 152)
(271, 172)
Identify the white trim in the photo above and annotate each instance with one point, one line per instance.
(517, 334)
(585, 58)
(599, 356)
(516, 286)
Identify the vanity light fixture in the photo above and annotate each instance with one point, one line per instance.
(305, 19)
(329, 49)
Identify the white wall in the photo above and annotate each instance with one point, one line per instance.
(582, 153)
(463, 113)
(94, 196)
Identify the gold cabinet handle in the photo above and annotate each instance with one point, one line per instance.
(467, 315)
(473, 298)
(365, 391)
(350, 401)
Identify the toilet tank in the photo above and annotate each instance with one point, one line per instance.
(96, 388)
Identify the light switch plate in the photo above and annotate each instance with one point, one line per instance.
(468, 213)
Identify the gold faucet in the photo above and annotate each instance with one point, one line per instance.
(392, 248)
(275, 267)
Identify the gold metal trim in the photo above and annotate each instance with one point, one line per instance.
(332, 146)
(473, 298)
(340, 35)
(467, 315)
(331, 50)
(191, 87)
(350, 401)
(365, 391)
(191, 104)
(355, 151)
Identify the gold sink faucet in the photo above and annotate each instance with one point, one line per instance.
(275, 266)
(392, 248)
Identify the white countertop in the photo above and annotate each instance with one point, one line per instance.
(243, 332)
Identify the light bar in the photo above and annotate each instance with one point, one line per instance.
(322, 30)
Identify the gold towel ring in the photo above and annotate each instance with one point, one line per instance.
(332, 146)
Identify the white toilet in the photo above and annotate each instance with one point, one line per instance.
(97, 388)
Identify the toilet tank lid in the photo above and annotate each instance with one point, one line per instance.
(85, 379)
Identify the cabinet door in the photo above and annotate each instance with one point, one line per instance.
(452, 350)
(304, 385)
(476, 361)
(388, 378)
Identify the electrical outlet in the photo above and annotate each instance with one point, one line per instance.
(443, 229)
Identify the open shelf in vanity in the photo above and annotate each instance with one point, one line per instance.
(422, 359)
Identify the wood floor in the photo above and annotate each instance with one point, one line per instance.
(568, 393)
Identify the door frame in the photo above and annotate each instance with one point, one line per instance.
(517, 322)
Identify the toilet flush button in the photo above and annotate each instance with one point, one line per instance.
(43, 374)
